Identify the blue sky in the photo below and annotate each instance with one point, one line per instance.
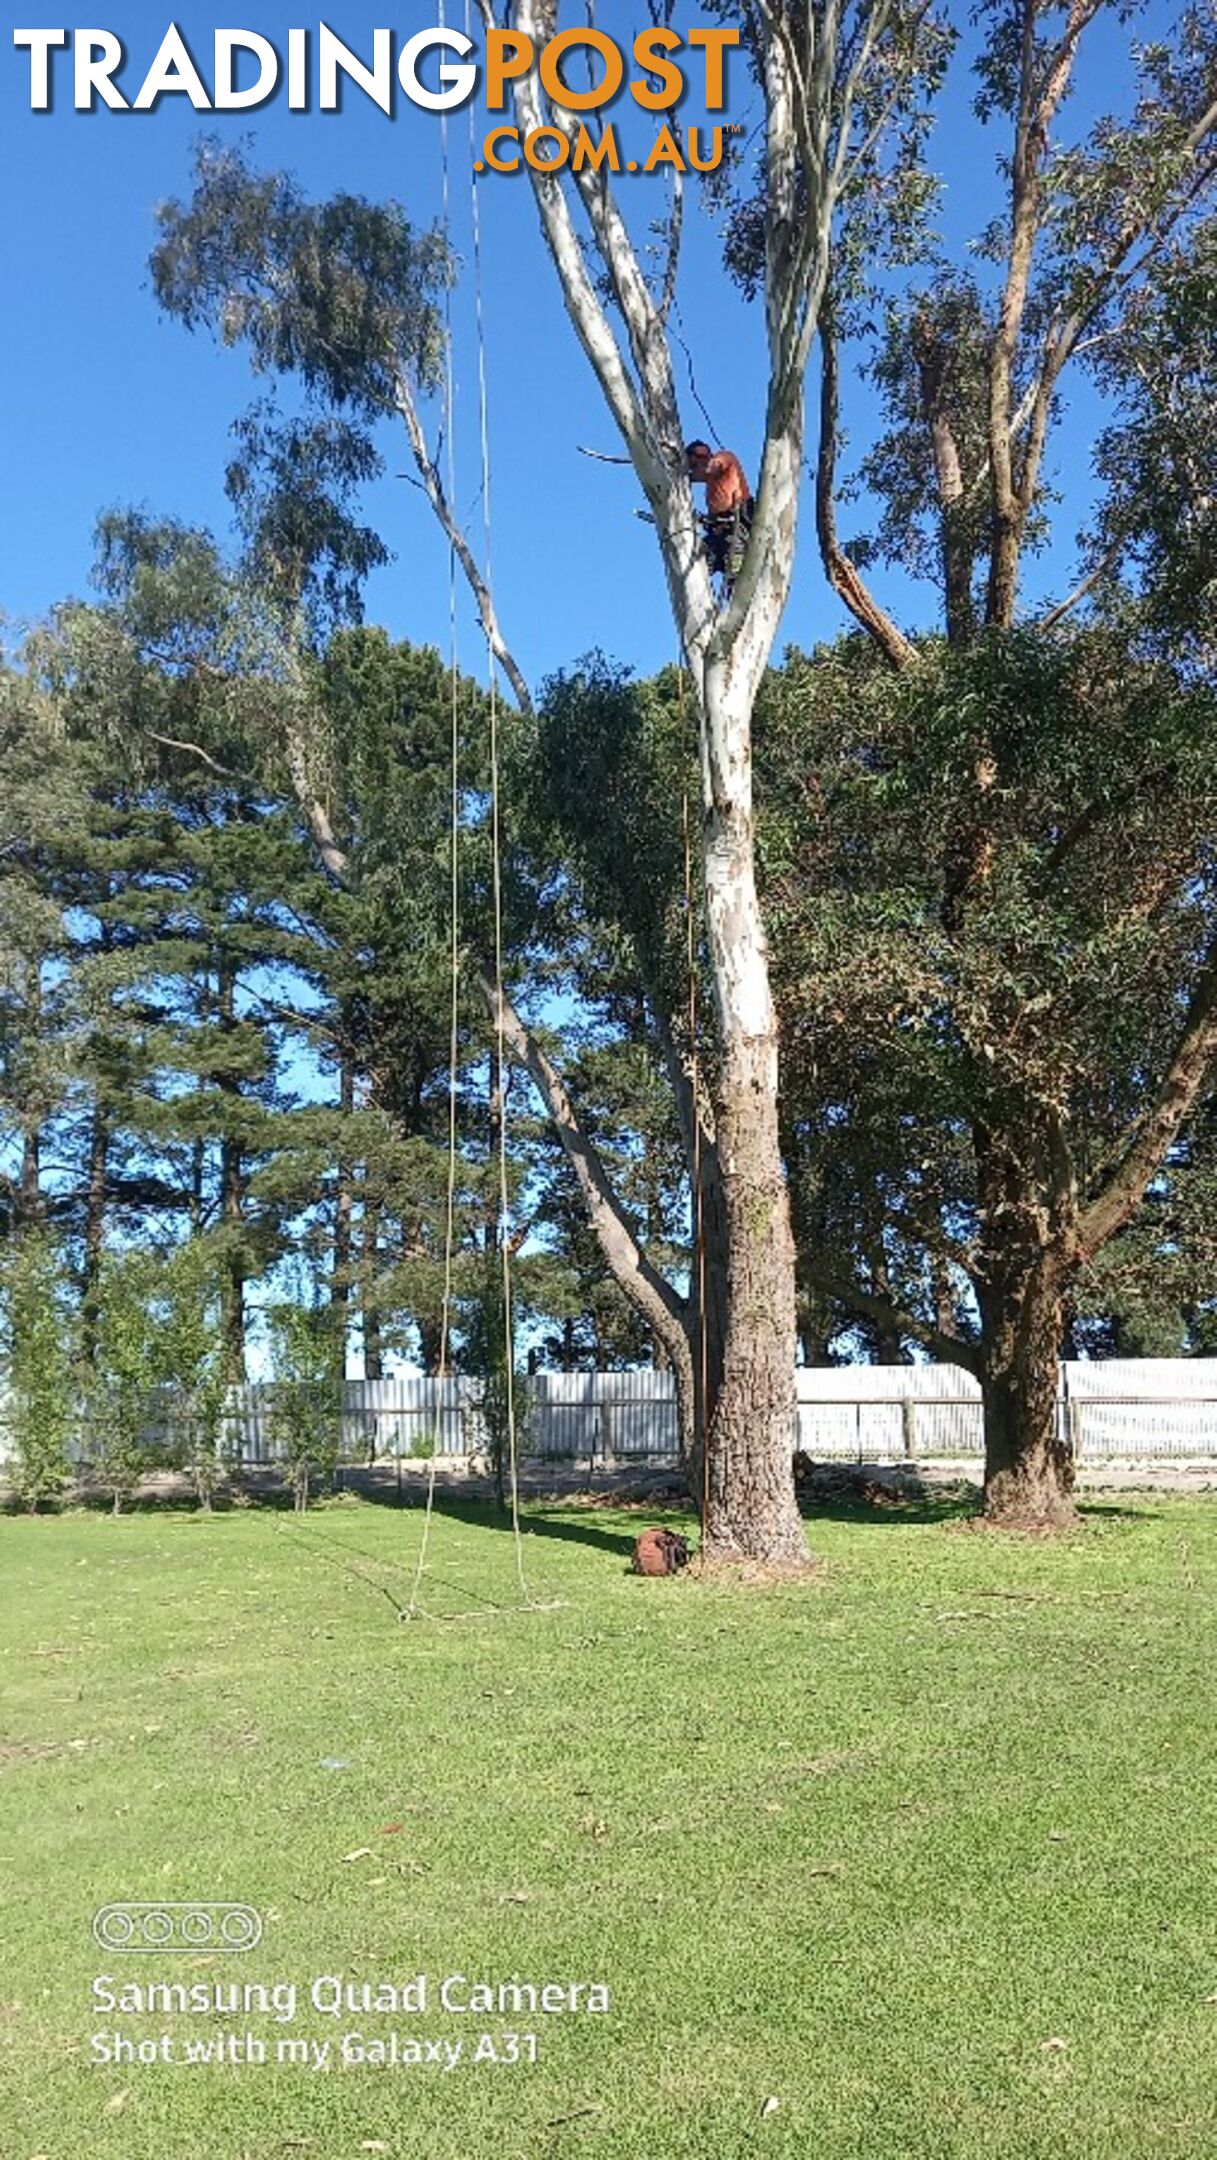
(104, 402)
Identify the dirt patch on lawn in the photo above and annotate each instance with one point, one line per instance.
(13, 1752)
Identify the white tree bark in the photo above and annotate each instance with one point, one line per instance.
(810, 77)
(809, 93)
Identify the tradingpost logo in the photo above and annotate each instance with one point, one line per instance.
(437, 70)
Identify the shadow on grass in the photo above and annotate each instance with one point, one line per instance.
(890, 1511)
(392, 1578)
(1113, 1510)
(537, 1519)
(547, 1519)
(276, 1499)
(962, 1504)
(877, 1493)
(93, 1503)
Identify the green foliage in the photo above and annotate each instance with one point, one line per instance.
(305, 1415)
(342, 293)
(1158, 457)
(292, 485)
(40, 1390)
(489, 1355)
(190, 1361)
(889, 191)
(123, 1416)
(1054, 1005)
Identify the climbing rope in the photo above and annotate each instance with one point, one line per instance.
(503, 1229)
(503, 1206)
(699, 1232)
(413, 1608)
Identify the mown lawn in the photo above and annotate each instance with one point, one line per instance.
(922, 1850)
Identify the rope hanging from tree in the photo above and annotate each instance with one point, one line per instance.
(503, 1209)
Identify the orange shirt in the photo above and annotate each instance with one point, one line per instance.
(726, 484)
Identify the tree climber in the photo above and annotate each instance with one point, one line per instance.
(728, 506)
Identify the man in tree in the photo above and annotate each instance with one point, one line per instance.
(365, 341)
(728, 506)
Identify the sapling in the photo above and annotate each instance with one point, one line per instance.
(40, 1411)
(306, 1398)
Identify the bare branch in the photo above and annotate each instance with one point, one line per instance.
(193, 749)
(649, 1292)
(1106, 562)
(840, 571)
(675, 234)
(433, 488)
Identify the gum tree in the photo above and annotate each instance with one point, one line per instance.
(1038, 834)
(342, 296)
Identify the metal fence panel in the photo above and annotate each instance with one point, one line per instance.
(1136, 1409)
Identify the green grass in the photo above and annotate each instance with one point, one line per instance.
(865, 1845)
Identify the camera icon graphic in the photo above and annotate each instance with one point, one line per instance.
(173, 1926)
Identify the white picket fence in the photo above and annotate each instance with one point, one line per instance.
(1125, 1409)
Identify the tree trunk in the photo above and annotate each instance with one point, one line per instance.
(885, 1341)
(1029, 1468)
(29, 1186)
(232, 1212)
(945, 1317)
(1027, 1266)
(751, 1510)
(198, 1169)
(344, 1204)
(373, 1355)
(232, 1280)
(94, 1232)
(813, 1306)
(698, 1385)
(430, 1342)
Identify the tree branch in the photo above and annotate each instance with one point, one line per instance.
(870, 1305)
(1081, 827)
(433, 488)
(649, 1292)
(1037, 109)
(1189, 1069)
(1106, 562)
(839, 570)
(193, 749)
(316, 816)
(675, 233)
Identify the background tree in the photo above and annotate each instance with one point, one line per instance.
(121, 1412)
(40, 1399)
(305, 1417)
(1068, 1009)
(243, 256)
(1095, 262)
(191, 1363)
